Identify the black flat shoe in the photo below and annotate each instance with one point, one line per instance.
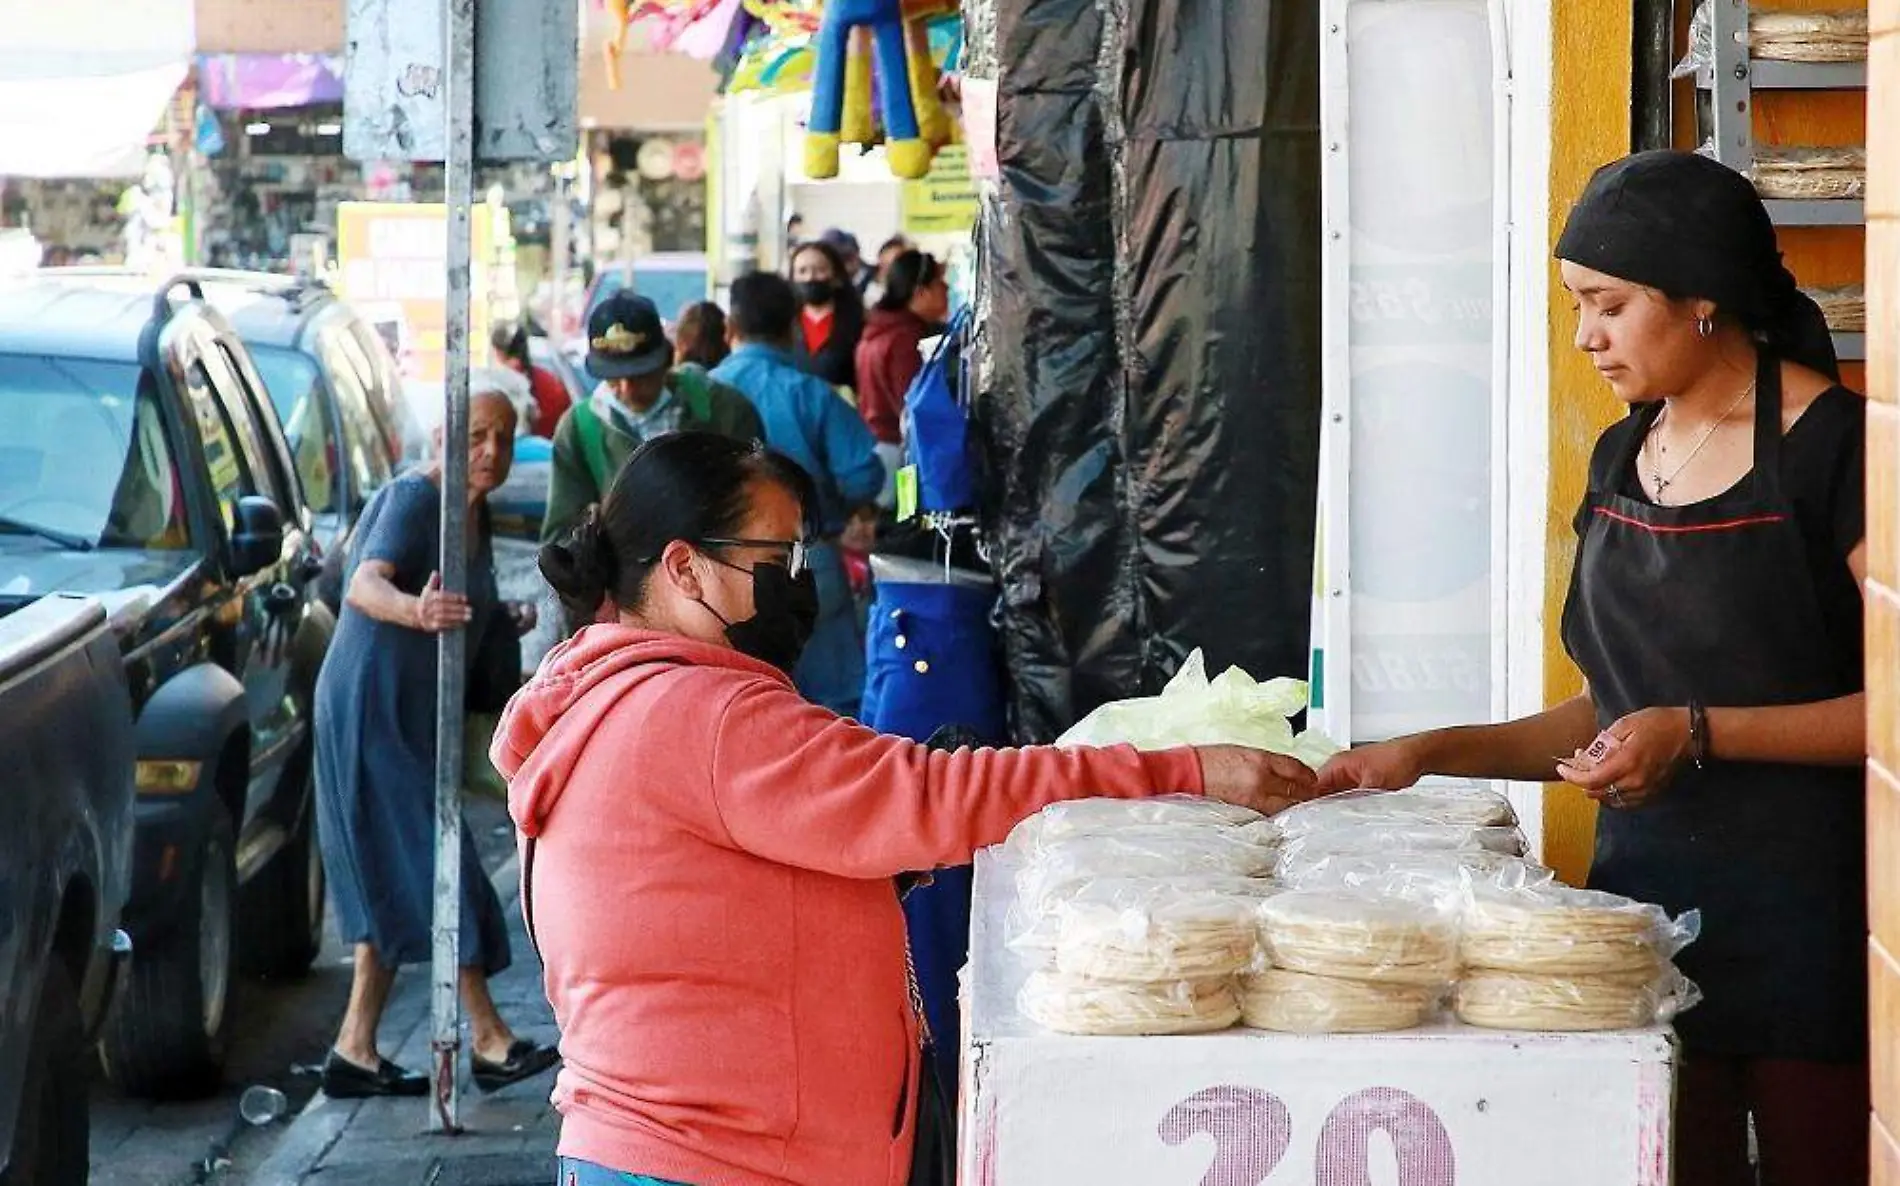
(525, 1061)
(344, 1080)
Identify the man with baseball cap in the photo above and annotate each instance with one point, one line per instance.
(640, 396)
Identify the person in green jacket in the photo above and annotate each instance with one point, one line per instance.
(640, 397)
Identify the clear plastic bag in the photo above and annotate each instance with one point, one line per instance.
(1442, 880)
(1466, 807)
(1231, 709)
(1300, 1003)
(1551, 929)
(1103, 817)
(1355, 936)
(1300, 854)
(1512, 1001)
(1138, 853)
(1783, 36)
(1032, 933)
(1072, 1005)
(1156, 932)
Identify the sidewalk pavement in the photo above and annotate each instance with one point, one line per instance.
(508, 1137)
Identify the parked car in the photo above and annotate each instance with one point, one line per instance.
(332, 383)
(140, 462)
(65, 860)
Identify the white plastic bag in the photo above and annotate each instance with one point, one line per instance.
(1357, 936)
(1155, 932)
(1031, 931)
(1100, 817)
(1469, 807)
(1300, 1003)
(1551, 929)
(1231, 709)
(1138, 852)
(1072, 1005)
(1439, 879)
(1508, 1000)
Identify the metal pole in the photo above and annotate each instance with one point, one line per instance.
(451, 673)
(558, 249)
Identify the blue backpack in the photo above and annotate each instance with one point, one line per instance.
(937, 432)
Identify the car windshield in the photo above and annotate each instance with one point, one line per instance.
(84, 458)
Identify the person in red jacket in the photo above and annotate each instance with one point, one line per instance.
(708, 859)
(915, 304)
(551, 400)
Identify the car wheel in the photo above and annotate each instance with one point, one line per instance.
(167, 1040)
(50, 1131)
(280, 915)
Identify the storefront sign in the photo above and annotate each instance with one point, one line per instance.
(393, 261)
(943, 203)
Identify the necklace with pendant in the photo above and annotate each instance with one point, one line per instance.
(1658, 450)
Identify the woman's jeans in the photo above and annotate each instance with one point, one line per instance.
(586, 1173)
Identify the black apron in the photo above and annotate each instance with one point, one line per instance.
(1718, 602)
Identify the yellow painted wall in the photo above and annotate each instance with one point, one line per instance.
(1591, 66)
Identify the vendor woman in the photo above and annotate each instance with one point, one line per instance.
(1715, 613)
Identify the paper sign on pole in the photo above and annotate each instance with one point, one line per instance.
(526, 81)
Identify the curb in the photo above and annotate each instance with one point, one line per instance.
(324, 1121)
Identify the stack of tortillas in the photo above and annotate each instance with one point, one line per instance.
(1822, 174)
(1550, 957)
(1137, 916)
(1299, 1003)
(1348, 963)
(1072, 1005)
(1809, 36)
(1845, 308)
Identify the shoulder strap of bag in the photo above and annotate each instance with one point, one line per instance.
(591, 435)
(695, 387)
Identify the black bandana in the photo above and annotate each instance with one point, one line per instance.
(1693, 227)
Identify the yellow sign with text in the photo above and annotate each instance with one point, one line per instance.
(945, 202)
(393, 265)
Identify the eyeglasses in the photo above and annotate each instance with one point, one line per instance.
(797, 552)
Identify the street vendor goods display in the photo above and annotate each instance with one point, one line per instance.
(1838, 36)
(1358, 913)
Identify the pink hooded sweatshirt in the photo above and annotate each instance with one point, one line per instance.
(713, 899)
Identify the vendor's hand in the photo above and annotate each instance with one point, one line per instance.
(1632, 761)
(524, 615)
(1386, 766)
(1266, 782)
(437, 611)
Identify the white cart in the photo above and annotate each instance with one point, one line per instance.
(1448, 1106)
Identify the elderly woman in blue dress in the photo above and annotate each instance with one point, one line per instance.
(376, 710)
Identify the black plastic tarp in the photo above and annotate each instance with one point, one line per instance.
(1146, 365)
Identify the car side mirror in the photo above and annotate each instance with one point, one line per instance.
(257, 539)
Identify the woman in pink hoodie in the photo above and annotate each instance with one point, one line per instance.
(708, 858)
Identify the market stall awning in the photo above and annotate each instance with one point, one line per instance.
(84, 83)
(260, 82)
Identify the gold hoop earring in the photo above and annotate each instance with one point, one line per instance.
(1705, 327)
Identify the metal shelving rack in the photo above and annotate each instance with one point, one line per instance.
(1731, 82)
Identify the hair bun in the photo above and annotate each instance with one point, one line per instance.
(581, 567)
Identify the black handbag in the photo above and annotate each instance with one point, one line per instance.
(933, 1159)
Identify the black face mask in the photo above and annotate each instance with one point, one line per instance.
(785, 612)
(815, 292)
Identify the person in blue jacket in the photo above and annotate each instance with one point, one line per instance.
(808, 421)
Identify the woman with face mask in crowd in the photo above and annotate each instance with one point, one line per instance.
(708, 859)
(831, 315)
